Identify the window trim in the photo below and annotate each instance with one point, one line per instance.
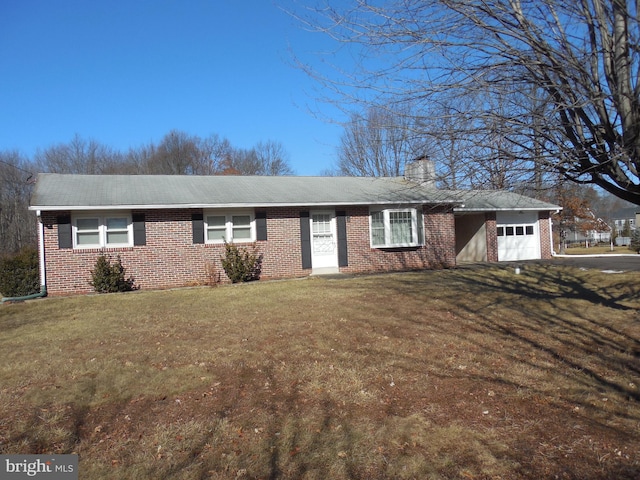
(417, 221)
(228, 228)
(102, 218)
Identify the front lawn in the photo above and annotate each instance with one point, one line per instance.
(474, 373)
(598, 250)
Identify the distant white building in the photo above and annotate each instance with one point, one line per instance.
(621, 217)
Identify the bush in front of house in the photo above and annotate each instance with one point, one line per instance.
(109, 277)
(240, 264)
(635, 241)
(19, 275)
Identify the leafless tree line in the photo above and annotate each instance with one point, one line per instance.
(178, 153)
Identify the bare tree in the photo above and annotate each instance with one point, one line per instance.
(452, 150)
(214, 151)
(178, 153)
(568, 71)
(273, 158)
(17, 224)
(78, 156)
(265, 158)
(379, 143)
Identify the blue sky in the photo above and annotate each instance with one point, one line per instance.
(126, 72)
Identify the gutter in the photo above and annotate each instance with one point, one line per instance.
(43, 276)
(238, 205)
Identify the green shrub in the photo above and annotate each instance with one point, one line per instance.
(635, 241)
(240, 264)
(19, 275)
(109, 277)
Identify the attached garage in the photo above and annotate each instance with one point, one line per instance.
(502, 226)
(518, 236)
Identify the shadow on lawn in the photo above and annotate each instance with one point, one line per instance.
(565, 347)
(564, 332)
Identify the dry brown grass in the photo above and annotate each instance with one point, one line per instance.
(467, 373)
(599, 250)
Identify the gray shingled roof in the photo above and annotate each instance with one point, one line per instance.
(74, 192)
(497, 200)
(84, 192)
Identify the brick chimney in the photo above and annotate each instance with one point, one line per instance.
(421, 170)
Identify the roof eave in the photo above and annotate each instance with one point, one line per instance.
(507, 209)
(51, 208)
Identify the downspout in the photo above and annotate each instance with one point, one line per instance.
(553, 251)
(43, 275)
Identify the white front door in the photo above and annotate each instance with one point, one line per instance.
(324, 251)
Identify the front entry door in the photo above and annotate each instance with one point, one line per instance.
(324, 251)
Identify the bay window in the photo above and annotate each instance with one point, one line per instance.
(396, 227)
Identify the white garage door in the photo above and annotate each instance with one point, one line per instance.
(518, 236)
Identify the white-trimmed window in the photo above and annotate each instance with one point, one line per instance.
(396, 227)
(105, 230)
(236, 227)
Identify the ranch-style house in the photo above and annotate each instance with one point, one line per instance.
(169, 231)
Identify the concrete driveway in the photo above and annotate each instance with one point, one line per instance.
(604, 262)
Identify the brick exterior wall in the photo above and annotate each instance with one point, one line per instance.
(438, 252)
(171, 259)
(492, 236)
(545, 235)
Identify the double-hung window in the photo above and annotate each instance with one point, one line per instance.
(236, 227)
(396, 227)
(100, 231)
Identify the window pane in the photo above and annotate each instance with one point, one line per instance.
(216, 221)
(241, 220)
(89, 238)
(519, 230)
(401, 231)
(117, 223)
(500, 231)
(117, 237)
(510, 231)
(216, 228)
(241, 229)
(241, 233)
(321, 224)
(87, 231)
(529, 229)
(87, 223)
(377, 228)
(216, 235)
